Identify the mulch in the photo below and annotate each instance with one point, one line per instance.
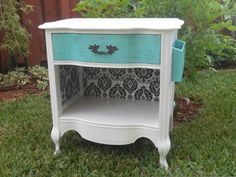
(15, 92)
(186, 110)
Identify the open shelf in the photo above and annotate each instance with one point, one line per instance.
(112, 112)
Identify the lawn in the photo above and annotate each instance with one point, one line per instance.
(205, 146)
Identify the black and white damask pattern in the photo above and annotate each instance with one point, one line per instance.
(69, 82)
(132, 83)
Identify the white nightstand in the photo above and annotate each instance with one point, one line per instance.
(112, 80)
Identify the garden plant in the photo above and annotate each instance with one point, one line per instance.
(15, 37)
(204, 22)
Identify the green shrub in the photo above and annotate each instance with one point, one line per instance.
(204, 21)
(17, 78)
(104, 8)
(41, 74)
(16, 39)
(22, 76)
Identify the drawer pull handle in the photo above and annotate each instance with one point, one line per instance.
(110, 49)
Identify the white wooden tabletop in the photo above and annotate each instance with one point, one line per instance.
(115, 24)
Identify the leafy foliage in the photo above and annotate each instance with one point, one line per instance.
(104, 8)
(16, 39)
(14, 78)
(22, 76)
(204, 21)
(41, 74)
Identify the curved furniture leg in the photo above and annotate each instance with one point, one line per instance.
(55, 135)
(163, 149)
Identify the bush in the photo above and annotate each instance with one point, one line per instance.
(17, 78)
(104, 8)
(41, 73)
(16, 39)
(22, 76)
(204, 21)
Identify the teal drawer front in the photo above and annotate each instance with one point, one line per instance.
(107, 48)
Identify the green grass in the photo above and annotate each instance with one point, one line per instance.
(205, 146)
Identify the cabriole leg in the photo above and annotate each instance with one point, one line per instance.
(55, 135)
(163, 149)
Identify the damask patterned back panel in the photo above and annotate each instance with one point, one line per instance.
(135, 83)
(69, 82)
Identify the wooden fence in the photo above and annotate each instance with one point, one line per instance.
(44, 11)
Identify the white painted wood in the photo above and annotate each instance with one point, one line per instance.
(165, 96)
(111, 111)
(107, 65)
(106, 31)
(112, 121)
(111, 135)
(56, 106)
(172, 90)
(115, 24)
(172, 105)
(115, 121)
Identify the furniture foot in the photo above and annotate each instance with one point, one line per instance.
(163, 162)
(56, 152)
(55, 138)
(163, 149)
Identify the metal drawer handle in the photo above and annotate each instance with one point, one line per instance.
(110, 49)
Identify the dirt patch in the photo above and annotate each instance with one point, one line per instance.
(186, 110)
(14, 92)
(225, 64)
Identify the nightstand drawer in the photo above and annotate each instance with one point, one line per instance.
(107, 48)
